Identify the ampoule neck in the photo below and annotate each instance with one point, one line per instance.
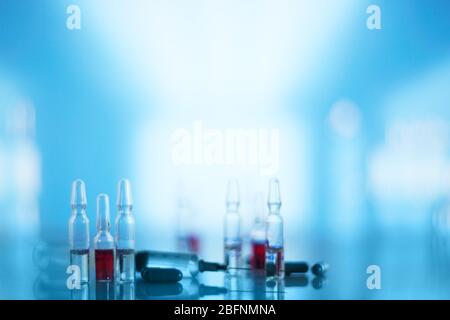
(232, 208)
(104, 232)
(103, 220)
(78, 210)
(104, 228)
(274, 210)
(125, 210)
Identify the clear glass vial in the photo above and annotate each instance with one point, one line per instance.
(125, 234)
(274, 233)
(79, 230)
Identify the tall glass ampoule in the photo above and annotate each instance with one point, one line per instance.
(103, 242)
(232, 232)
(79, 230)
(125, 234)
(274, 233)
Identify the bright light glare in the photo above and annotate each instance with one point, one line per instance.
(193, 54)
(345, 118)
(413, 162)
(229, 64)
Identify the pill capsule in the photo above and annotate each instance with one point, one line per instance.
(295, 267)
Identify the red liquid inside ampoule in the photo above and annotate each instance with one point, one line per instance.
(104, 265)
(258, 260)
(189, 243)
(193, 243)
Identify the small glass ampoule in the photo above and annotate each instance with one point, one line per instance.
(79, 230)
(232, 236)
(125, 234)
(103, 242)
(274, 233)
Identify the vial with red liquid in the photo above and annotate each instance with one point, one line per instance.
(258, 236)
(79, 230)
(274, 234)
(232, 235)
(125, 234)
(103, 242)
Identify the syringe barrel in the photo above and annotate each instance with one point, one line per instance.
(187, 263)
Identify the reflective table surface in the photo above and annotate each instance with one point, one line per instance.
(410, 268)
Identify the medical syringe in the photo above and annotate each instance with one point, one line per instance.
(190, 265)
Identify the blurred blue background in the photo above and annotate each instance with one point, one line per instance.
(363, 118)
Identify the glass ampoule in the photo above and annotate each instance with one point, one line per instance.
(274, 233)
(103, 242)
(232, 236)
(125, 234)
(79, 230)
(258, 236)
